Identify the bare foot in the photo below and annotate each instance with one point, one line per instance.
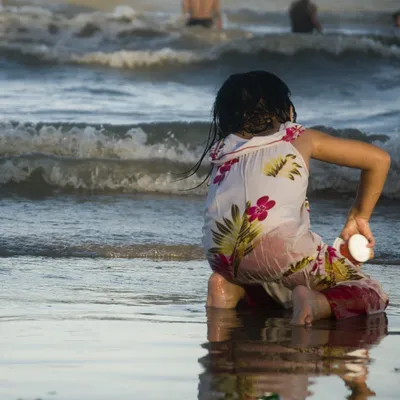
(302, 309)
(308, 306)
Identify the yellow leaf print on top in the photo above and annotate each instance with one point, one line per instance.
(284, 166)
(303, 263)
(236, 237)
(335, 270)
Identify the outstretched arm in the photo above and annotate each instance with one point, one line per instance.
(217, 14)
(374, 164)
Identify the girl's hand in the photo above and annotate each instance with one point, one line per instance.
(359, 225)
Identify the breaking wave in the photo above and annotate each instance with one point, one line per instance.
(46, 159)
(267, 46)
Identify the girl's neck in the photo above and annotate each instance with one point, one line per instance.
(248, 135)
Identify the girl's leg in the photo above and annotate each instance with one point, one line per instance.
(345, 300)
(222, 293)
(309, 306)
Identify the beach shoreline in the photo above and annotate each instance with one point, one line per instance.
(103, 273)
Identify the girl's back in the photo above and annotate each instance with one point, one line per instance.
(257, 201)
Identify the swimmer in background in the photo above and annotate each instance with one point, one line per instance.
(205, 13)
(396, 18)
(303, 17)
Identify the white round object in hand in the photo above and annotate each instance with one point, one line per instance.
(358, 248)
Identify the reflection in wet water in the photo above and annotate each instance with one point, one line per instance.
(252, 356)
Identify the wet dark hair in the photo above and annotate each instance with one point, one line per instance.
(247, 102)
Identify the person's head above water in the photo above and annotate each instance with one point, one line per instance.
(251, 102)
(396, 19)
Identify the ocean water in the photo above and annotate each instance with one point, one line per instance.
(100, 242)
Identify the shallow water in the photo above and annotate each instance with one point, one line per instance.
(120, 100)
(103, 280)
(120, 326)
(81, 300)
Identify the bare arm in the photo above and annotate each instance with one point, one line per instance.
(374, 164)
(217, 13)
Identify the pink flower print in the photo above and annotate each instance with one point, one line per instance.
(318, 268)
(218, 179)
(260, 211)
(331, 254)
(228, 260)
(223, 170)
(293, 133)
(216, 149)
(227, 166)
(315, 268)
(222, 264)
(223, 261)
(319, 263)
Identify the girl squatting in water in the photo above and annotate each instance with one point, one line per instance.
(257, 231)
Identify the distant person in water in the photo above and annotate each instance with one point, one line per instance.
(205, 13)
(396, 18)
(303, 17)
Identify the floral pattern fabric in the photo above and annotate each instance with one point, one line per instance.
(223, 170)
(257, 222)
(283, 166)
(235, 237)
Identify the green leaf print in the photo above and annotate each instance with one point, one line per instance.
(283, 166)
(341, 271)
(293, 268)
(336, 270)
(235, 213)
(236, 236)
(250, 249)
